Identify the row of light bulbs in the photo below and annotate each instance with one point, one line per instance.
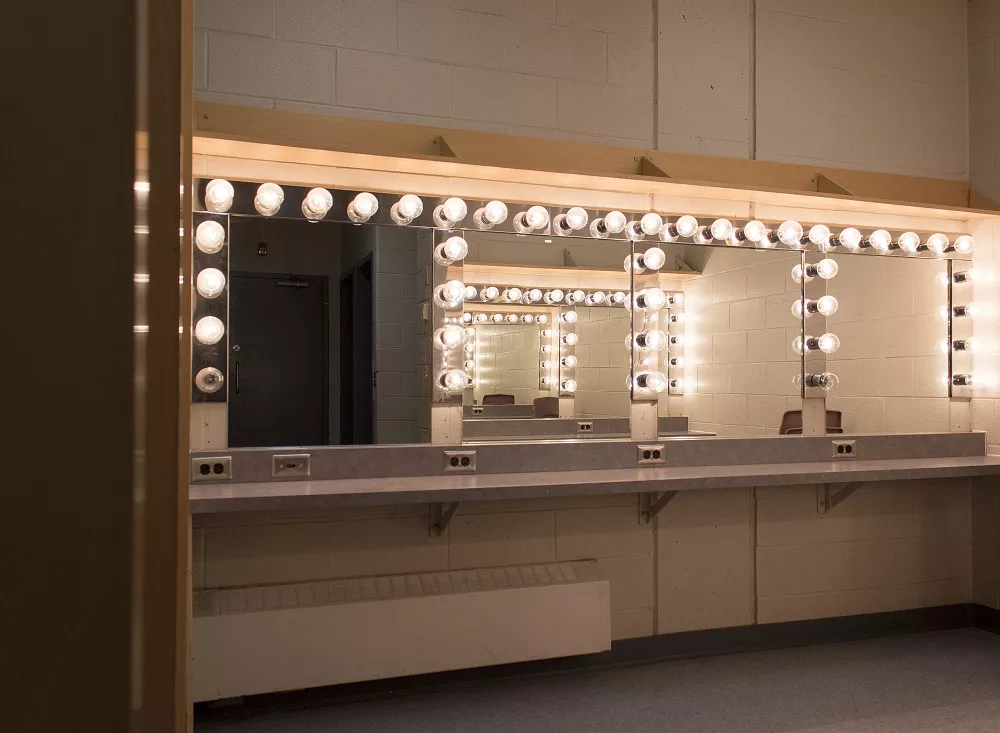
(317, 203)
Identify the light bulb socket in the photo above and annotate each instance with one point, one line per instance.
(961, 345)
(962, 277)
(962, 380)
(960, 311)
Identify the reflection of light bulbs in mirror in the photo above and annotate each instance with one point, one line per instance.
(798, 307)
(618, 297)
(208, 380)
(572, 221)
(451, 381)
(512, 295)
(470, 365)
(547, 349)
(677, 299)
(633, 263)
(362, 208)
(652, 381)
(850, 238)
(449, 337)
(450, 251)
(654, 340)
(568, 385)
(614, 222)
(546, 364)
(650, 299)
(511, 318)
(685, 226)
(268, 199)
(527, 318)
(569, 361)
(570, 339)
(532, 296)
(825, 381)
(210, 236)
(450, 295)
(568, 317)
(573, 297)
(467, 317)
(495, 212)
(596, 298)
(209, 330)
(450, 213)
(541, 318)
(798, 273)
(210, 283)
(219, 195)
(536, 217)
(489, 293)
(964, 244)
(497, 318)
(553, 296)
(651, 224)
(471, 292)
(481, 318)
(408, 208)
(316, 204)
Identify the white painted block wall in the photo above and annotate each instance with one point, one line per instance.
(874, 84)
(984, 96)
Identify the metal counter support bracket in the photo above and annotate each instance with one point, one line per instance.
(440, 517)
(651, 503)
(830, 495)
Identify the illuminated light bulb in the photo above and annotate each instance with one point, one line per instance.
(548, 381)
(650, 299)
(703, 235)
(652, 381)
(450, 295)
(536, 217)
(527, 318)
(969, 344)
(208, 380)
(450, 251)
(972, 275)
(937, 243)
(962, 380)
(210, 283)
(651, 224)
(797, 345)
(733, 240)
(685, 226)
(652, 340)
(482, 318)
(210, 236)
(573, 297)
(470, 365)
(722, 229)
(964, 244)
(826, 269)
(541, 318)
(570, 339)
(316, 204)
(219, 195)
(676, 340)
(497, 318)
(677, 318)
(449, 337)
(450, 213)
(568, 385)
(467, 318)
(471, 292)
(268, 199)
(675, 299)
(470, 332)
(908, 242)
(451, 381)
(790, 234)
(798, 307)
(489, 293)
(753, 231)
(596, 298)
(569, 361)
(799, 273)
(676, 361)
(512, 295)
(827, 305)
(633, 263)
(768, 241)
(532, 296)
(614, 222)
(828, 343)
(825, 381)
(495, 212)
(880, 240)
(545, 332)
(511, 318)
(820, 236)
(618, 297)
(568, 317)
(850, 239)
(209, 330)
(969, 310)
(676, 384)
(572, 221)
(546, 364)
(553, 296)
(362, 208)
(408, 208)
(943, 312)
(547, 349)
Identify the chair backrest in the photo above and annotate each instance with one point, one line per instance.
(546, 407)
(791, 422)
(498, 399)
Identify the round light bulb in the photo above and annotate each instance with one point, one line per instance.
(451, 381)
(471, 292)
(470, 365)
(449, 337)
(828, 343)
(208, 380)
(797, 345)
(798, 307)
(686, 226)
(722, 229)
(219, 195)
(209, 330)
(489, 293)
(546, 364)
(527, 318)
(512, 295)
(316, 204)
(541, 318)
(908, 242)
(575, 296)
(937, 243)
(651, 224)
(453, 210)
(467, 317)
(820, 236)
(408, 208)
(210, 283)
(569, 361)
(362, 208)
(651, 299)
(825, 381)
(450, 294)
(798, 274)
(568, 385)
(482, 318)
(827, 305)
(470, 332)
(597, 297)
(533, 296)
(547, 349)
(653, 340)
(965, 244)
(850, 238)
(511, 318)
(754, 231)
(570, 339)
(676, 361)
(790, 233)
(554, 296)
(268, 199)
(634, 263)
(210, 236)
(495, 212)
(653, 381)
(880, 240)
(827, 269)
(537, 217)
(568, 317)
(576, 218)
(615, 222)
(454, 249)
(618, 297)
(675, 299)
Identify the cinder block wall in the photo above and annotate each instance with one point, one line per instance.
(877, 86)
(712, 559)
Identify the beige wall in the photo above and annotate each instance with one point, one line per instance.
(713, 558)
(602, 362)
(508, 359)
(984, 96)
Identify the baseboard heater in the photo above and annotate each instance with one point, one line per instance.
(247, 641)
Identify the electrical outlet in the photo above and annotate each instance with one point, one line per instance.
(844, 449)
(650, 454)
(219, 468)
(585, 426)
(460, 461)
(290, 465)
(477, 410)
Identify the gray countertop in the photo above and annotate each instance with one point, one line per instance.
(273, 495)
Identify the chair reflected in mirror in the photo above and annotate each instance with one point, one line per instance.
(546, 407)
(791, 422)
(498, 399)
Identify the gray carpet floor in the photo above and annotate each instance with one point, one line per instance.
(945, 682)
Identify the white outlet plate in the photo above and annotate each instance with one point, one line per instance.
(584, 426)
(650, 455)
(214, 468)
(290, 465)
(844, 449)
